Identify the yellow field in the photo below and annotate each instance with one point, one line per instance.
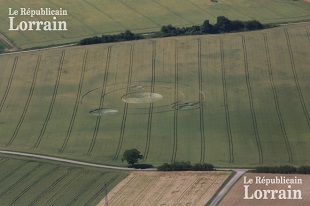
(166, 188)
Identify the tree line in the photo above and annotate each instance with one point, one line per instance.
(185, 166)
(222, 25)
(286, 169)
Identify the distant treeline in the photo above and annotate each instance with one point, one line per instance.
(223, 25)
(185, 166)
(286, 169)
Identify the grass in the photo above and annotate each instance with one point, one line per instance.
(30, 182)
(250, 94)
(93, 17)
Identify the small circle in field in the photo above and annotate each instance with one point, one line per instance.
(141, 97)
(103, 112)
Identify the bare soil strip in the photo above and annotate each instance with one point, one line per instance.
(180, 188)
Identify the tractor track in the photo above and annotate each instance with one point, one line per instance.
(76, 105)
(227, 117)
(150, 116)
(251, 102)
(103, 91)
(276, 101)
(50, 110)
(123, 124)
(21, 179)
(201, 112)
(176, 106)
(101, 190)
(63, 188)
(301, 98)
(21, 120)
(8, 87)
(38, 197)
(47, 174)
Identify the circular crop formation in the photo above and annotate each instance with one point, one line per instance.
(140, 96)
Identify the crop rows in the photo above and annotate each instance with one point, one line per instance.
(275, 95)
(103, 92)
(50, 110)
(230, 139)
(38, 183)
(77, 103)
(125, 110)
(247, 75)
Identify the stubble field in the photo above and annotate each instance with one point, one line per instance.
(166, 188)
(231, 100)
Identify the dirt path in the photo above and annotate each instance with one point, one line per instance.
(225, 189)
(65, 160)
(10, 45)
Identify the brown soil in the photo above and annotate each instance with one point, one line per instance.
(166, 188)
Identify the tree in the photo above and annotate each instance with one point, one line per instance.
(132, 156)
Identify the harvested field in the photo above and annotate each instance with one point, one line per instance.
(166, 188)
(237, 195)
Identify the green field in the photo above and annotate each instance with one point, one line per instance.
(93, 17)
(30, 182)
(238, 99)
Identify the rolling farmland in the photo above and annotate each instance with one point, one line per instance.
(93, 17)
(232, 100)
(29, 182)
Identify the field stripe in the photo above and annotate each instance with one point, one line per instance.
(50, 110)
(61, 192)
(201, 112)
(276, 101)
(42, 177)
(103, 91)
(176, 107)
(21, 120)
(172, 12)
(86, 188)
(207, 189)
(308, 34)
(14, 171)
(99, 192)
(201, 9)
(230, 139)
(123, 125)
(7, 90)
(137, 11)
(150, 117)
(21, 179)
(77, 102)
(248, 83)
(44, 192)
(301, 98)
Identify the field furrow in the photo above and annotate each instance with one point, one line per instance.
(125, 110)
(103, 92)
(201, 105)
(228, 127)
(53, 99)
(275, 95)
(300, 94)
(7, 90)
(248, 82)
(76, 105)
(176, 106)
(21, 120)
